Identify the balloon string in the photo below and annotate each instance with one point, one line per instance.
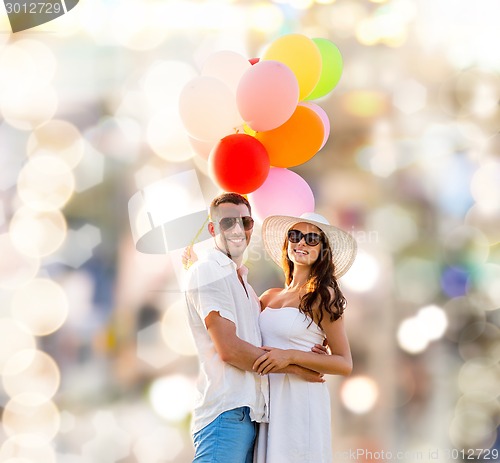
(198, 233)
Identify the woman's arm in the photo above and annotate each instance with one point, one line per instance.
(338, 363)
(242, 354)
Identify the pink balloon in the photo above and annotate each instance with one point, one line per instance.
(323, 116)
(284, 192)
(267, 95)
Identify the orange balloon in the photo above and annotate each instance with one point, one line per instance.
(296, 141)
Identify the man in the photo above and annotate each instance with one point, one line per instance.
(223, 312)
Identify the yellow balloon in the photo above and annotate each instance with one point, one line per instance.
(247, 129)
(301, 55)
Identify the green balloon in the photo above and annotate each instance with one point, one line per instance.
(331, 68)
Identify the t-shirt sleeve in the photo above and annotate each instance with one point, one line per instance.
(208, 290)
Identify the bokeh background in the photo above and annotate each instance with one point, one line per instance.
(96, 360)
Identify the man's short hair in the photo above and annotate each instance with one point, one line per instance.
(233, 198)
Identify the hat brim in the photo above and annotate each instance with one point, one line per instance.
(344, 246)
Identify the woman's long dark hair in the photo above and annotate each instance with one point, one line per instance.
(318, 283)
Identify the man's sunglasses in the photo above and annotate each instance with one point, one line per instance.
(311, 239)
(229, 222)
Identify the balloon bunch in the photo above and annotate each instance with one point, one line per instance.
(251, 118)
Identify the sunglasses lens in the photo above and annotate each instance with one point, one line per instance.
(229, 222)
(247, 223)
(311, 239)
(294, 236)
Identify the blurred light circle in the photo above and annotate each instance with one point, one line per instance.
(359, 394)
(465, 246)
(31, 413)
(27, 448)
(118, 137)
(16, 268)
(45, 183)
(164, 443)
(13, 339)
(265, 17)
(19, 71)
(58, 138)
(488, 222)
(487, 283)
(363, 274)
(41, 306)
(479, 337)
(172, 397)
(137, 26)
(395, 225)
(30, 108)
(31, 370)
(485, 187)
(435, 319)
(461, 312)
(167, 138)
(454, 281)
(367, 32)
(176, 73)
(412, 335)
(301, 4)
(479, 375)
(37, 234)
(417, 279)
(43, 58)
(365, 103)
(175, 330)
(473, 428)
(342, 17)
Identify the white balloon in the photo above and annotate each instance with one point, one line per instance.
(227, 66)
(208, 109)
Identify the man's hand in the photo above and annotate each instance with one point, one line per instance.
(307, 375)
(189, 257)
(274, 359)
(322, 349)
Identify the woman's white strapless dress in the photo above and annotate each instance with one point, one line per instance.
(299, 428)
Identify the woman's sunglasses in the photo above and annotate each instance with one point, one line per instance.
(311, 239)
(229, 222)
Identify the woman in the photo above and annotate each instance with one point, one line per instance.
(307, 311)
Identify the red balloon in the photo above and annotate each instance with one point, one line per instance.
(254, 60)
(239, 163)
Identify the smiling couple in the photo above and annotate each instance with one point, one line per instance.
(262, 396)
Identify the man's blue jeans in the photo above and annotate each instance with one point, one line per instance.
(228, 439)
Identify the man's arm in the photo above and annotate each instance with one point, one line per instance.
(229, 346)
(242, 354)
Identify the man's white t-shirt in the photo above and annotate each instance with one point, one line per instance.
(213, 285)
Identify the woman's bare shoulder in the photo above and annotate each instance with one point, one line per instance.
(266, 296)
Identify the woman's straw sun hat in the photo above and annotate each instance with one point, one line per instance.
(343, 245)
